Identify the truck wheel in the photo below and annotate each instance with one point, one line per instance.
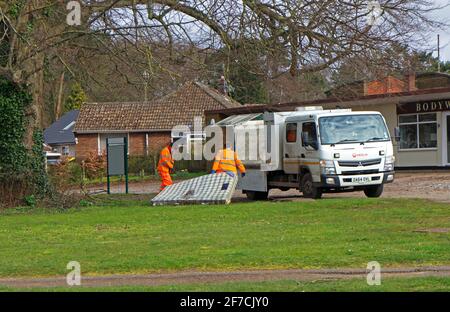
(252, 195)
(374, 191)
(308, 188)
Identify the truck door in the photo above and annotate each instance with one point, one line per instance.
(309, 149)
(291, 151)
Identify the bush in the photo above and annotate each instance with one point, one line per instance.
(95, 166)
(191, 165)
(142, 165)
(13, 103)
(147, 165)
(65, 174)
(23, 176)
(13, 189)
(22, 171)
(76, 173)
(30, 200)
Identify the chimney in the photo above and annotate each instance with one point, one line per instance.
(411, 79)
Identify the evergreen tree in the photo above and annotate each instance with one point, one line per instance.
(76, 98)
(247, 87)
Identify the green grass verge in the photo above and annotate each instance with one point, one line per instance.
(133, 237)
(413, 284)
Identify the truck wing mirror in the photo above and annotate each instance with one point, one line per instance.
(397, 134)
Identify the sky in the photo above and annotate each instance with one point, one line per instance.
(444, 15)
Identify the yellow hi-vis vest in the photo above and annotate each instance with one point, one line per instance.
(227, 161)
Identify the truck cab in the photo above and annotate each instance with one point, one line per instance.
(338, 151)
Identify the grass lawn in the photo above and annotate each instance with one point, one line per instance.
(413, 284)
(127, 236)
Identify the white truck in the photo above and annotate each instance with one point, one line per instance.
(315, 151)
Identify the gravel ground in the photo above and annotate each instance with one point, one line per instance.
(426, 185)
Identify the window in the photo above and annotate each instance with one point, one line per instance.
(309, 134)
(291, 132)
(418, 131)
(65, 150)
(104, 136)
(350, 129)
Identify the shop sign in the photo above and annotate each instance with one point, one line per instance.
(423, 107)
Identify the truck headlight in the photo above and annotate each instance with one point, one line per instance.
(389, 163)
(327, 167)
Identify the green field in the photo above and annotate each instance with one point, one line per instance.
(127, 236)
(412, 284)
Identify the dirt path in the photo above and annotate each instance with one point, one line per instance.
(427, 185)
(191, 277)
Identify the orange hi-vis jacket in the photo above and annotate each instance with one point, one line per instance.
(166, 162)
(227, 161)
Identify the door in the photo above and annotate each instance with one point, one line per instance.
(446, 138)
(309, 149)
(291, 147)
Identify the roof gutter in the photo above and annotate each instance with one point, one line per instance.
(392, 98)
(120, 131)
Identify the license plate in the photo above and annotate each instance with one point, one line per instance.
(361, 180)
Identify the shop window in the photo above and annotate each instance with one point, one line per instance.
(418, 131)
(291, 132)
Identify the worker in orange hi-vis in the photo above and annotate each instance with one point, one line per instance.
(227, 161)
(165, 166)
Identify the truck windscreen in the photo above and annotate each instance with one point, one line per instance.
(352, 129)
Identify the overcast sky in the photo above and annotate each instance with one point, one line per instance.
(444, 15)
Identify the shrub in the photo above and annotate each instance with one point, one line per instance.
(13, 189)
(147, 165)
(22, 171)
(65, 174)
(95, 166)
(30, 200)
(142, 165)
(13, 103)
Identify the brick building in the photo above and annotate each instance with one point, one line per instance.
(149, 125)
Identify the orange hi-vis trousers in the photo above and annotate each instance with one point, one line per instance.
(166, 179)
(165, 164)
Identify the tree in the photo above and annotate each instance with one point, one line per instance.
(76, 98)
(293, 36)
(247, 87)
(431, 63)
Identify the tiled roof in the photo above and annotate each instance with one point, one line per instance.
(178, 108)
(60, 132)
